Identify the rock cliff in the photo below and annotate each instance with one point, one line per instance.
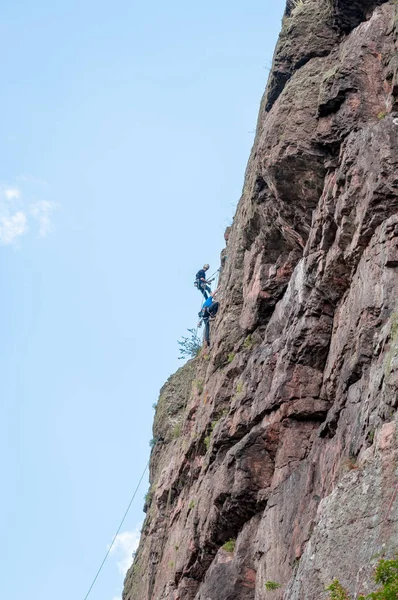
(276, 451)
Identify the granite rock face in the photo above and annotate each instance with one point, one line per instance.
(282, 438)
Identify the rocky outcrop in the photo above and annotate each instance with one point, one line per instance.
(276, 450)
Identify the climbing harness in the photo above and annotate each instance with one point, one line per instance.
(210, 280)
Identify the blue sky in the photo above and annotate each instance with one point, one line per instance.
(126, 130)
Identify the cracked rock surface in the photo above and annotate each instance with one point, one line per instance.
(282, 439)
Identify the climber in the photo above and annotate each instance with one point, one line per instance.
(209, 310)
(201, 282)
(204, 317)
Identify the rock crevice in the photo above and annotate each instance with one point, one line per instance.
(275, 453)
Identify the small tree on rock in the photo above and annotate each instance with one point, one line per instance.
(190, 346)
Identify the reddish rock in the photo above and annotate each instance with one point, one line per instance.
(283, 438)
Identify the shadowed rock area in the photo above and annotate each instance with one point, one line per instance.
(282, 439)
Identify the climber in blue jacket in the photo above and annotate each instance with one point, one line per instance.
(209, 309)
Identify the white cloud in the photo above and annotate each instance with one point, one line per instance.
(20, 211)
(125, 544)
(42, 212)
(12, 227)
(12, 193)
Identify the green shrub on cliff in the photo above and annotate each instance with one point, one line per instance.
(337, 592)
(229, 546)
(270, 586)
(385, 575)
(190, 346)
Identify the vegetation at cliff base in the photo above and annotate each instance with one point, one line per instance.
(337, 592)
(385, 575)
